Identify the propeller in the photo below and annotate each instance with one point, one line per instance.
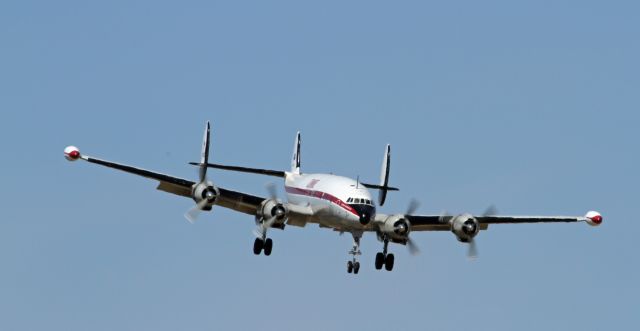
(411, 209)
(472, 250)
(444, 217)
(413, 206)
(272, 190)
(192, 214)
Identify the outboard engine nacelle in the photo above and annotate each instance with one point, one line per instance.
(465, 227)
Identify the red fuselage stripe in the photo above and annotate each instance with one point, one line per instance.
(321, 195)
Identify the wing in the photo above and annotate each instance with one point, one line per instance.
(241, 202)
(441, 223)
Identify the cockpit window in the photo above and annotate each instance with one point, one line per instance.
(360, 201)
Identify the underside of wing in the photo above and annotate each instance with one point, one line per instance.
(432, 223)
(241, 202)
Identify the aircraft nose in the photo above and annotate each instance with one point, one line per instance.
(367, 213)
(365, 218)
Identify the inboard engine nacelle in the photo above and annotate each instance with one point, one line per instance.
(273, 209)
(396, 226)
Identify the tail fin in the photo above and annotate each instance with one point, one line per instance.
(295, 160)
(204, 155)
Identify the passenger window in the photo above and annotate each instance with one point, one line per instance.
(357, 200)
(368, 202)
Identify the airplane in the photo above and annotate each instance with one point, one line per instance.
(333, 202)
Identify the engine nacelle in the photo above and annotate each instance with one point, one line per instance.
(396, 227)
(465, 227)
(272, 208)
(205, 193)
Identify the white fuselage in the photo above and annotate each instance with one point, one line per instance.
(338, 202)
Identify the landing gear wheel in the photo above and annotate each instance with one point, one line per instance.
(268, 245)
(349, 267)
(257, 246)
(356, 267)
(379, 261)
(388, 263)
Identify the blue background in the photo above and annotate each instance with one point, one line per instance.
(529, 105)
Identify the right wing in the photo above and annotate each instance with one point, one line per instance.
(241, 202)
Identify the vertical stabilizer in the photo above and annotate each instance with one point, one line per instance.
(295, 160)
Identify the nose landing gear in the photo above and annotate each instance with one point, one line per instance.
(353, 266)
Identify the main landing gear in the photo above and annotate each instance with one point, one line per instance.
(353, 266)
(262, 244)
(384, 259)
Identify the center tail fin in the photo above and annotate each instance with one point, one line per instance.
(295, 160)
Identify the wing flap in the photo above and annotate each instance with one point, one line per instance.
(174, 189)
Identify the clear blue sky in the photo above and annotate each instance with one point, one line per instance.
(529, 105)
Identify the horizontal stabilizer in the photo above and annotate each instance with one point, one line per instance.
(380, 187)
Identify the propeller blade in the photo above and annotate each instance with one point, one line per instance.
(413, 206)
(491, 211)
(472, 252)
(194, 212)
(273, 191)
(413, 247)
(444, 217)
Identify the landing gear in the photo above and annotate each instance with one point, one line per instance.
(257, 246)
(262, 244)
(388, 262)
(268, 246)
(354, 265)
(379, 260)
(384, 259)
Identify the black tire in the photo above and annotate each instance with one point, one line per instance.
(379, 261)
(388, 263)
(257, 246)
(349, 267)
(268, 246)
(356, 267)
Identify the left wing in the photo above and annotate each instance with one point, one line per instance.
(441, 223)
